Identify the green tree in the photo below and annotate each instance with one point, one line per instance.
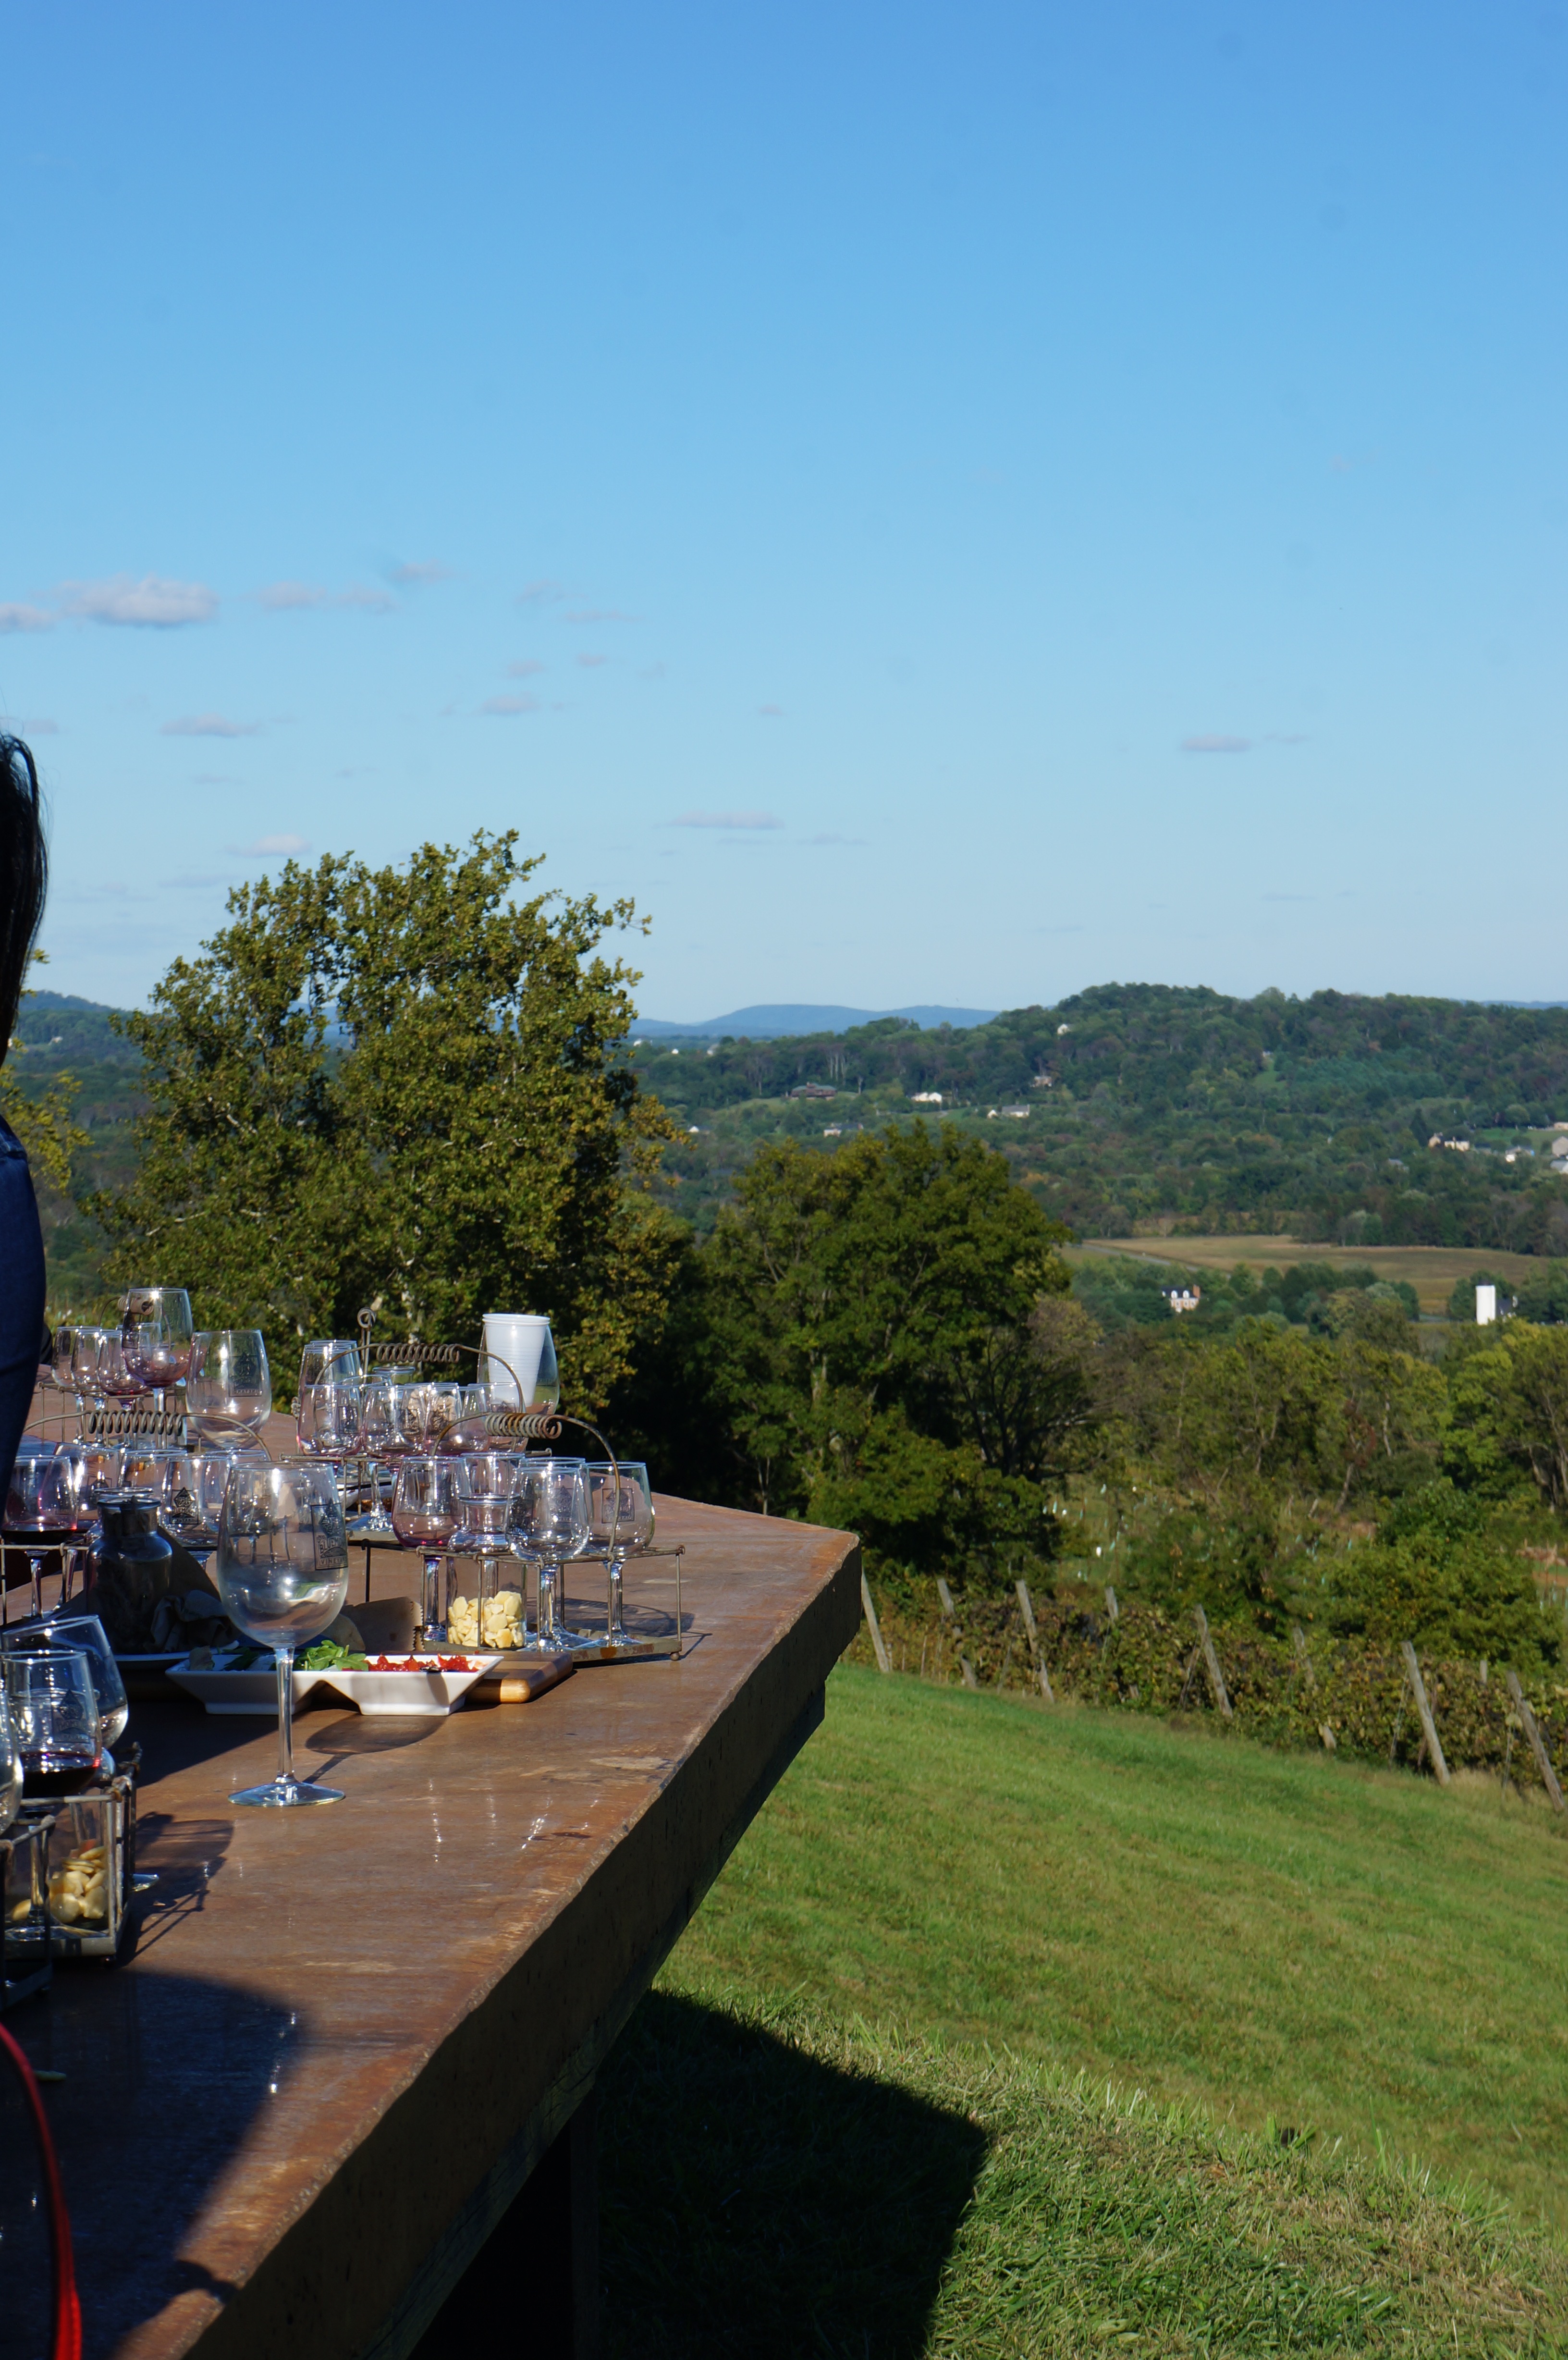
(884, 1342)
(1438, 1575)
(43, 1123)
(402, 1087)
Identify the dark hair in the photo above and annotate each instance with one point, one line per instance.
(24, 876)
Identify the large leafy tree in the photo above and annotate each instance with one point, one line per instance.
(402, 1087)
(878, 1339)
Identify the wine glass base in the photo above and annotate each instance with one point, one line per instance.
(374, 1524)
(276, 1796)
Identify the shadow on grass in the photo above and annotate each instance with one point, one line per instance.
(757, 2200)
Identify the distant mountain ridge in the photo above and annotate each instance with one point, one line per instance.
(778, 1022)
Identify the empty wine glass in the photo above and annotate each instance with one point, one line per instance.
(229, 1383)
(10, 1767)
(439, 1405)
(63, 1347)
(281, 1568)
(55, 1720)
(424, 1516)
(327, 1358)
(550, 1522)
(156, 1334)
(79, 1634)
(84, 1347)
(620, 1513)
(327, 1418)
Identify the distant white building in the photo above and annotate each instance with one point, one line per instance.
(926, 1098)
(1486, 1305)
(1185, 1298)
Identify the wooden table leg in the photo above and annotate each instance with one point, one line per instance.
(533, 2288)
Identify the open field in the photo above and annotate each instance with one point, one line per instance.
(865, 2112)
(1430, 1270)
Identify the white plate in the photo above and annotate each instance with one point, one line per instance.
(251, 1691)
(408, 1692)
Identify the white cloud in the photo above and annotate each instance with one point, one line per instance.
(771, 712)
(830, 839)
(727, 819)
(523, 668)
(430, 570)
(210, 725)
(282, 597)
(537, 593)
(504, 707)
(36, 725)
(599, 614)
(1216, 745)
(290, 597)
(151, 603)
(24, 618)
(265, 846)
(592, 664)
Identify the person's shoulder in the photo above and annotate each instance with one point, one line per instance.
(10, 1145)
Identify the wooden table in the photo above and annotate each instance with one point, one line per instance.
(302, 2120)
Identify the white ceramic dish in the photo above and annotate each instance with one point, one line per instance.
(228, 1691)
(407, 1692)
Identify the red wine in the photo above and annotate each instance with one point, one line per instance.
(46, 1774)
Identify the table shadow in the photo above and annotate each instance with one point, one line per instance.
(163, 2077)
(757, 2202)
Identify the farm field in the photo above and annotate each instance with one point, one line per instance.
(1014, 2032)
(1430, 1270)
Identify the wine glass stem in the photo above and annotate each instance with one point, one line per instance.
(36, 1567)
(284, 1657)
(434, 1627)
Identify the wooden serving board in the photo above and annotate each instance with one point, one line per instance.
(520, 1677)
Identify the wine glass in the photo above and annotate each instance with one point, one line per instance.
(156, 1334)
(55, 1719)
(329, 1357)
(485, 1486)
(424, 1516)
(116, 1374)
(63, 1347)
(24, 1497)
(620, 1515)
(282, 1573)
(10, 1767)
(327, 1418)
(439, 1405)
(85, 1345)
(551, 1524)
(66, 1508)
(78, 1635)
(229, 1383)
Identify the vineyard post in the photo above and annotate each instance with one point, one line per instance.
(872, 1624)
(1212, 1664)
(1542, 1760)
(1429, 1726)
(948, 1608)
(1027, 1602)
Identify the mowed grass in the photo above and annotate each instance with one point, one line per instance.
(1433, 1270)
(1017, 2032)
(1349, 1951)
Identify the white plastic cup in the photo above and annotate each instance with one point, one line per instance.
(522, 1340)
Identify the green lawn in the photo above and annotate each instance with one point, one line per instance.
(883, 2046)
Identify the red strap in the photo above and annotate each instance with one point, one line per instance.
(67, 2309)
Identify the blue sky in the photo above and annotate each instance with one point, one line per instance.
(938, 503)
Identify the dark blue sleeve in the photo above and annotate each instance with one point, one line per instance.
(21, 1293)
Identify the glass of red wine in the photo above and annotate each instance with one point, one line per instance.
(424, 1516)
(155, 1333)
(55, 1720)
